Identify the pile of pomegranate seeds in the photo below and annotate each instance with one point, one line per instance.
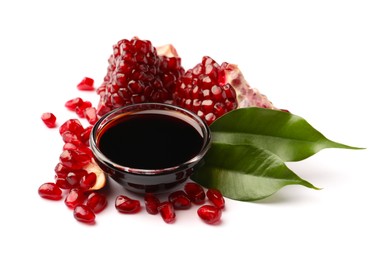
(193, 193)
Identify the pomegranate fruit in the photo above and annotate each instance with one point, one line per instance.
(209, 214)
(211, 90)
(136, 74)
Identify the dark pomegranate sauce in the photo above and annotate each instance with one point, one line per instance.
(149, 141)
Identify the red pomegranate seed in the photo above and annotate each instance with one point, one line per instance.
(69, 137)
(74, 103)
(96, 201)
(167, 211)
(90, 115)
(72, 125)
(84, 214)
(88, 180)
(151, 203)
(80, 110)
(74, 159)
(86, 84)
(179, 200)
(209, 214)
(74, 198)
(216, 197)
(84, 136)
(62, 183)
(49, 119)
(74, 177)
(125, 204)
(61, 170)
(195, 192)
(50, 191)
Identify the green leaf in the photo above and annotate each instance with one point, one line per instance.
(245, 172)
(289, 136)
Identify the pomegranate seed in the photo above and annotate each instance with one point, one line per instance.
(74, 198)
(69, 146)
(74, 159)
(62, 183)
(84, 136)
(179, 200)
(167, 211)
(90, 115)
(96, 201)
(49, 119)
(72, 125)
(216, 197)
(84, 214)
(195, 192)
(151, 203)
(125, 204)
(74, 177)
(50, 191)
(69, 137)
(209, 214)
(88, 180)
(80, 110)
(61, 170)
(74, 103)
(86, 84)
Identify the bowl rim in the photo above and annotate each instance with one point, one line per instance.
(151, 107)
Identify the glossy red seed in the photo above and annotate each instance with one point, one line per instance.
(62, 183)
(167, 211)
(74, 177)
(74, 198)
(49, 119)
(84, 214)
(80, 110)
(74, 160)
(151, 203)
(90, 115)
(72, 125)
(209, 214)
(179, 200)
(74, 103)
(86, 84)
(50, 191)
(216, 197)
(88, 180)
(96, 201)
(125, 204)
(61, 170)
(84, 136)
(195, 192)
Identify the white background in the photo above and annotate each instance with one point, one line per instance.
(327, 61)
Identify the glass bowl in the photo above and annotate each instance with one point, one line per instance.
(150, 147)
